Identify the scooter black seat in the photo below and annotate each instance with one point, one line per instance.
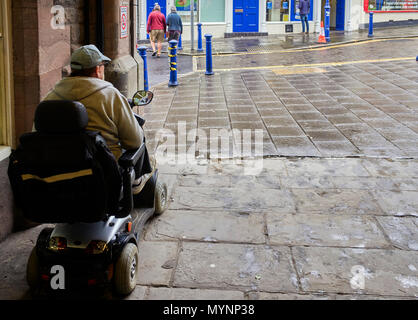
(63, 173)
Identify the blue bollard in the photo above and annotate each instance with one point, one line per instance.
(173, 63)
(209, 70)
(199, 38)
(143, 53)
(327, 8)
(370, 24)
(179, 47)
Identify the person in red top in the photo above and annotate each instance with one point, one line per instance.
(156, 28)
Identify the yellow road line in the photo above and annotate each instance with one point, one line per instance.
(358, 43)
(325, 64)
(294, 50)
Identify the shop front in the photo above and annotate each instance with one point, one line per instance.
(282, 16)
(389, 13)
(261, 17)
(229, 17)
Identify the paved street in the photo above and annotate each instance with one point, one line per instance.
(338, 189)
(333, 102)
(299, 181)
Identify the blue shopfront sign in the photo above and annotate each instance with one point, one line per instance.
(184, 5)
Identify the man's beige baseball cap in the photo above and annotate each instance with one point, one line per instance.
(87, 57)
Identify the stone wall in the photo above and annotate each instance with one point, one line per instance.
(41, 52)
(41, 57)
(6, 202)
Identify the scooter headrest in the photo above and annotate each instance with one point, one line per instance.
(61, 116)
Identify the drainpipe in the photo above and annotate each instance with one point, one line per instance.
(100, 25)
(134, 39)
(132, 26)
(86, 22)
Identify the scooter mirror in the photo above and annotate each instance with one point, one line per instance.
(142, 98)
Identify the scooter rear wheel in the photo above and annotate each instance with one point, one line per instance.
(126, 270)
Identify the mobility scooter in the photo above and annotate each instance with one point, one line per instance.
(65, 175)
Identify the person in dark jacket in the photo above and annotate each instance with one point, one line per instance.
(175, 25)
(305, 8)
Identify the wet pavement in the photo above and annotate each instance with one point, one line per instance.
(159, 68)
(295, 177)
(295, 40)
(359, 100)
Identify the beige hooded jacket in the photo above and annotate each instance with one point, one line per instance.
(108, 110)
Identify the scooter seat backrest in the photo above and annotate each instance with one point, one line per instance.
(63, 173)
(61, 117)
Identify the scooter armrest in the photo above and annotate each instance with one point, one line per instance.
(130, 157)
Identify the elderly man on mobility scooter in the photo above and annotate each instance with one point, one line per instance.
(108, 110)
(84, 168)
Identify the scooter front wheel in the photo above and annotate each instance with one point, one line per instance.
(161, 198)
(126, 270)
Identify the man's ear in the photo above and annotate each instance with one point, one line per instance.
(97, 72)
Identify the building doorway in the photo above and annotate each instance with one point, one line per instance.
(2, 78)
(245, 16)
(340, 15)
(337, 14)
(6, 80)
(150, 7)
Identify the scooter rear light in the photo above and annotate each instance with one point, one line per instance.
(45, 277)
(96, 247)
(57, 244)
(92, 282)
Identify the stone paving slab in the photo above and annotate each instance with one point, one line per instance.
(152, 257)
(335, 201)
(386, 272)
(402, 203)
(324, 230)
(14, 253)
(235, 266)
(211, 227)
(402, 232)
(192, 294)
(232, 199)
(288, 296)
(327, 167)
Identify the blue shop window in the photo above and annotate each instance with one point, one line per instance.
(294, 8)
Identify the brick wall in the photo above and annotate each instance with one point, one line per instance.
(41, 56)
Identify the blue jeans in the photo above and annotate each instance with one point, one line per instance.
(304, 19)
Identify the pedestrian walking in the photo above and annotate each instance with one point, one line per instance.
(156, 28)
(175, 25)
(304, 9)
